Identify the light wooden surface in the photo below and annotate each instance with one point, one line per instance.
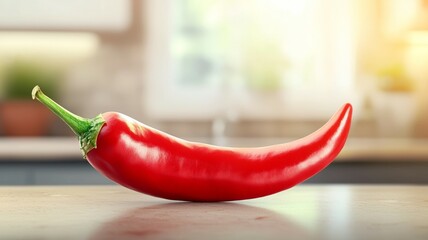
(303, 212)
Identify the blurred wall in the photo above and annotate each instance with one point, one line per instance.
(113, 79)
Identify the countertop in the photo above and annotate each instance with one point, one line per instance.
(356, 149)
(303, 212)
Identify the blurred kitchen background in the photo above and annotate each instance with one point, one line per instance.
(226, 72)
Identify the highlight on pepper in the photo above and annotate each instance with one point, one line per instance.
(152, 162)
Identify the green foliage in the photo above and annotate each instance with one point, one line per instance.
(393, 78)
(20, 77)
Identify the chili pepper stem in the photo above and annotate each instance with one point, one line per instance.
(86, 129)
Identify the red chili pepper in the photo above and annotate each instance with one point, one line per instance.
(155, 163)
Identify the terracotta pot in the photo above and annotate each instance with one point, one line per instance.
(25, 118)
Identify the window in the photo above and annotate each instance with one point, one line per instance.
(249, 59)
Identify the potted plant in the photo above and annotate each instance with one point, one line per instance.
(19, 114)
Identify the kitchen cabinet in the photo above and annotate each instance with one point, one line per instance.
(64, 171)
(58, 161)
(78, 171)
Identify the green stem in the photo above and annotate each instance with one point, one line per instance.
(78, 124)
(86, 129)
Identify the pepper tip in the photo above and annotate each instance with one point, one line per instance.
(36, 89)
(348, 106)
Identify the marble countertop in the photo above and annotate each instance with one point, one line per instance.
(356, 149)
(303, 212)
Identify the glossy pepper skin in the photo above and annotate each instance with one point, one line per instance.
(155, 163)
